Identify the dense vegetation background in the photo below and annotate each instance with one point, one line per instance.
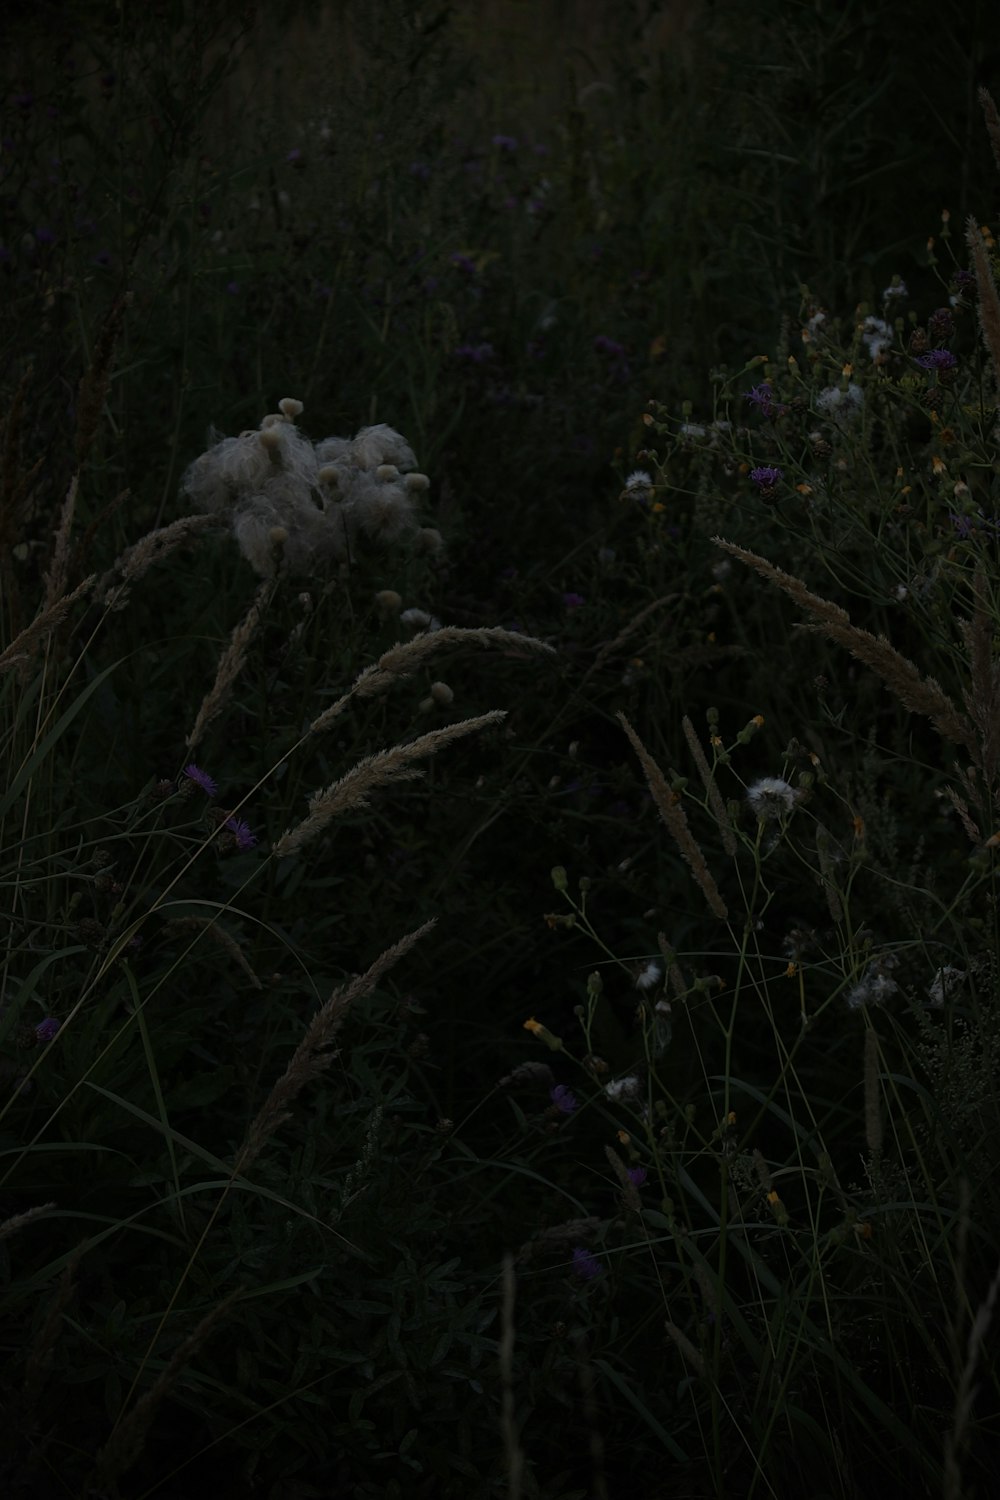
(663, 1162)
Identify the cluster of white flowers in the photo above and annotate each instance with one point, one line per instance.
(298, 504)
(875, 986)
(876, 335)
(841, 404)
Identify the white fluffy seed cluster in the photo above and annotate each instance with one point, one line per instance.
(296, 504)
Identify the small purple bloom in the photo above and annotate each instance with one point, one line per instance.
(47, 1029)
(937, 359)
(505, 142)
(762, 396)
(767, 476)
(294, 157)
(611, 347)
(241, 831)
(475, 354)
(420, 169)
(563, 1098)
(573, 601)
(636, 1176)
(585, 1265)
(463, 263)
(44, 236)
(233, 288)
(201, 778)
(970, 526)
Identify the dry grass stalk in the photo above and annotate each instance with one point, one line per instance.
(675, 974)
(18, 1221)
(829, 852)
(992, 123)
(402, 660)
(96, 380)
(23, 647)
(982, 699)
(673, 815)
(381, 769)
(152, 548)
(629, 1190)
(957, 1440)
(610, 648)
(223, 938)
(40, 1355)
(873, 1112)
(920, 695)
(715, 801)
(962, 808)
(987, 299)
(310, 1057)
(505, 1353)
(55, 578)
(684, 1344)
(231, 663)
(126, 1442)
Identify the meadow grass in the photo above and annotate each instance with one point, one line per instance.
(501, 726)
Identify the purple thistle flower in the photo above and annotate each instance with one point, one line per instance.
(767, 476)
(762, 396)
(563, 1098)
(585, 1265)
(47, 1029)
(201, 778)
(636, 1176)
(241, 832)
(937, 359)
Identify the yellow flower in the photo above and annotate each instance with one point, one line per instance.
(533, 1026)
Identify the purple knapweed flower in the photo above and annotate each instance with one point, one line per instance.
(937, 359)
(766, 476)
(636, 1176)
(563, 1098)
(240, 830)
(573, 601)
(201, 778)
(585, 1265)
(47, 1029)
(762, 396)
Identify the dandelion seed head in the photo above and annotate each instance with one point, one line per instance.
(770, 798)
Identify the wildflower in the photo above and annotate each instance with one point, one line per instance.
(201, 778)
(875, 985)
(585, 1265)
(554, 1043)
(876, 335)
(636, 1176)
(837, 402)
(649, 976)
(898, 288)
(937, 359)
(505, 142)
(47, 1029)
(573, 601)
(475, 354)
(611, 347)
(622, 1088)
(767, 477)
(639, 483)
(770, 798)
(240, 830)
(563, 1099)
(762, 396)
(944, 984)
